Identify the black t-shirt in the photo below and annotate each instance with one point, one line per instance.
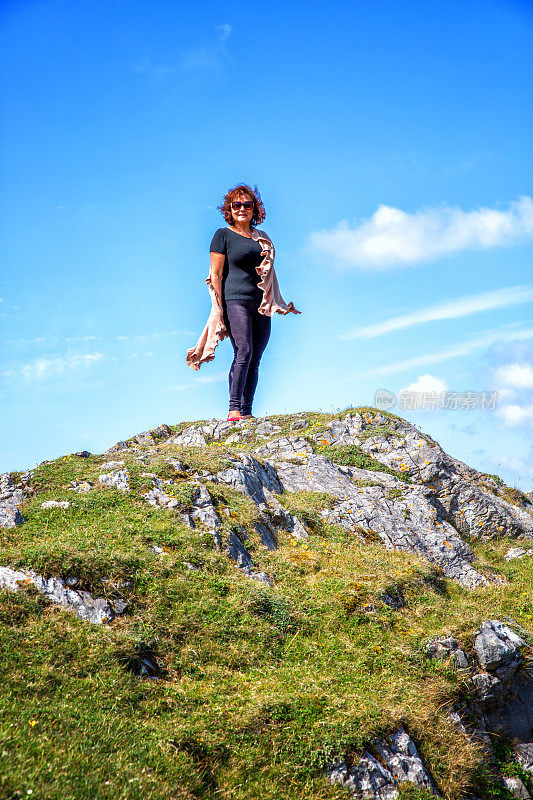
(243, 255)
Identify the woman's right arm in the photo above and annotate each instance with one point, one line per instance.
(215, 273)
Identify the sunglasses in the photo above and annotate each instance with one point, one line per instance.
(247, 205)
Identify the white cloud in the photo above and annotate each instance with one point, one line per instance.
(224, 31)
(135, 337)
(217, 376)
(455, 351)
(451, 309)
(426, 383)
(515, 375)
(515, 382)
(45, 367)
(514, 463)
(392, 237)
(183, 387)
(515, 416)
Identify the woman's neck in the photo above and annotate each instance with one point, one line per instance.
(246, 230)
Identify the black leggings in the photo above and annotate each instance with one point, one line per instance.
(249, 332)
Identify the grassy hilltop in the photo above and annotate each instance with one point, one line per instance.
(248, 690)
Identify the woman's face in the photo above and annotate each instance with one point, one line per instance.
(242, 215)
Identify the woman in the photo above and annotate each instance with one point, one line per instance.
(244, 293)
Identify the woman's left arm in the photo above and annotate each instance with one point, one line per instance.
(215, 274)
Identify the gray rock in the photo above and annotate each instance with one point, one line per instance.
(265, 429)
(162, 431)
(258, 481)
(496, 644)
(447, 648)
(282, 518)
(144, 438)
(81, 486)
(7, 487)
(266, 535)
(216, 429)
(339, 432)
(119, 606)
(293, 447)
(524, 755)
(489, 688)
(119, 480)
(368, 778)
(249, 476)
(96, 610)
(111, 465)
(516, 787)
(517, 552)
(464, 502)
(504, 687)
(478, 514)
(204, 511)
(236, 550)
(119, 447)
(157, 497)
(83, 454)
(191, 436)
(10, 497)
(511, 714)
(401, 757)
(408, 523)
(176, 464)
(297, 424)
(10, 516)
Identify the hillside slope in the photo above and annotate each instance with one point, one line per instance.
(309, 605)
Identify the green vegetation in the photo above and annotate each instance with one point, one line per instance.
(262, 686)
(516, 497)
(352, 456)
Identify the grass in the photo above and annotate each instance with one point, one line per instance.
(262, 686)
(352, 456)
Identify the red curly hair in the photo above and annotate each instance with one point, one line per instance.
(259, 209)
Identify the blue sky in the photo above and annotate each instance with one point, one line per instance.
(391, 142)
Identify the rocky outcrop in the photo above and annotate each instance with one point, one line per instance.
(11, 496)
(395, 760)
(118, 479)
(501, 681)
(151, 437)
(503, 685)
(203, 513)
(402, 515)
(96, 610)
(438, 500)
(258, 481)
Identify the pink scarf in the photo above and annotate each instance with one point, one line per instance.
(272, 302)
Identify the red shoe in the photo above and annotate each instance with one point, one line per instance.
(234, 415)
